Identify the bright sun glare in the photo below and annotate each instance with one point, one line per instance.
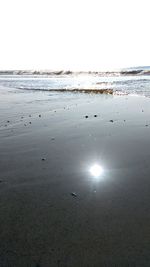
(96, 170)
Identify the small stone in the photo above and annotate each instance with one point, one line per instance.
(73, 194)
(53, 138)
(95, 116)
(111, 121)
(43, 159)
(40, 116)
(30, 116)
(86, 116)
(142, 110)
(146, 125)
(8, 121)
(29, 122)
(25, 125)
(124, 120)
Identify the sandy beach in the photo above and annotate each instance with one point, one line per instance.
(53, 211)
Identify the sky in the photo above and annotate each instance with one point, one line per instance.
(74, 34)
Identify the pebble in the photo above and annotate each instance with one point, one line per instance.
(40, 116)
(111, 121)
(73, 194)
(95, 116)
(146, 125)
(43, 159)
(86, 116)
(30, 122)
(8, 121)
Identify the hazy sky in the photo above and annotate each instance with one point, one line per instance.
(74, 34)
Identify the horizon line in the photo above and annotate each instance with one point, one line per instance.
(74, 71)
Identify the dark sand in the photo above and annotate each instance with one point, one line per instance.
(107, 222)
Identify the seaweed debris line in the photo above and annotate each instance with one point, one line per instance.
(88, 91)
(76, 90)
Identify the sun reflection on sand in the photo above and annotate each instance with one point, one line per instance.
(96, 170)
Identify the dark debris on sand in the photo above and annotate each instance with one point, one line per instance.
(73, 194)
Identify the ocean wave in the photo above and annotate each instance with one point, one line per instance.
(135, 72)
(89, 84)
(131, 72)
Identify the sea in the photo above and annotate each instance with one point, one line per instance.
(127, 82)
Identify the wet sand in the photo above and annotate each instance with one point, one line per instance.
(48, 143)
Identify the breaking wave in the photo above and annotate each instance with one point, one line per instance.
(125, 82)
